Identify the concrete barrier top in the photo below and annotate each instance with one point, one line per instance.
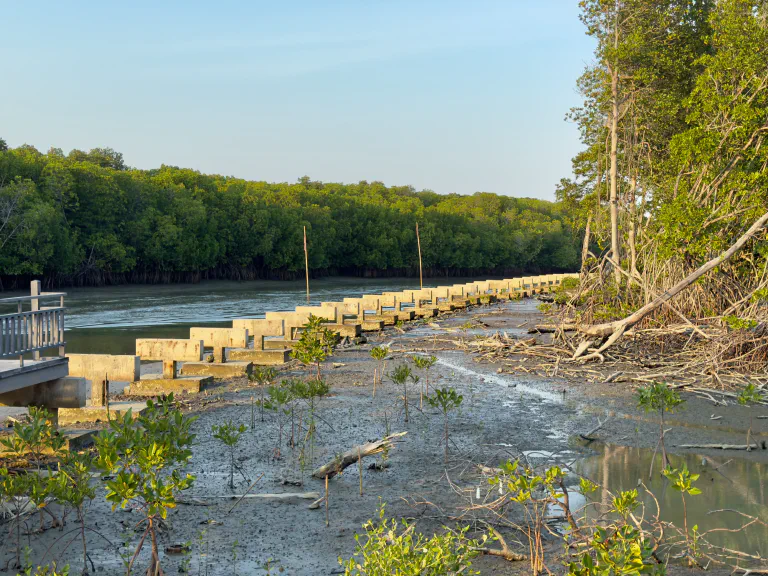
(169, 349)
(98, 367)
(220, 337)
(260, 326)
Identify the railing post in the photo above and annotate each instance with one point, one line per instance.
(34, 290)
(60, 327)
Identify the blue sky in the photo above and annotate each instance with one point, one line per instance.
(451, 96)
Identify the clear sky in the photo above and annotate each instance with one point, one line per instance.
(452, 96)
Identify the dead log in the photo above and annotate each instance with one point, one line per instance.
(550, 328)
(614, 330)
(721, 446)
(352, 455)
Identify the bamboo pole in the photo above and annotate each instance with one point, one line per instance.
(306, 262)
(418, 244)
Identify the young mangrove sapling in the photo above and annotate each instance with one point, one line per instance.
(446, 399)
(229, 435)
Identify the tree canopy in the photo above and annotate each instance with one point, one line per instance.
(88, 218)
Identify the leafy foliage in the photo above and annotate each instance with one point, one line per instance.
(87, 217)
(389, 548)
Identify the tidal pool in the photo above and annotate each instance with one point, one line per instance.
(727, 483)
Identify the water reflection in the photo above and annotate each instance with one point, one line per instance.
(108, 320)
(726, 483)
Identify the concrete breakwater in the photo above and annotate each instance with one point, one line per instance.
(190, 364)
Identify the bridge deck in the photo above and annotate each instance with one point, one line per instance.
(13, 376)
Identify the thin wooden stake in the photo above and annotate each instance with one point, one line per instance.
(327, 519)
(418, 243)
(253, 416)
(375, 370)
(306, 261)
(360, 468)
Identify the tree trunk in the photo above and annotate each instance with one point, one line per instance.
(631, 231)
(585, 244)
(614, 205)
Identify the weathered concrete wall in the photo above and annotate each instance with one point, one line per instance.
(260, 357)
(97, 368)
(260, 326)
(170, 349)
(220, 337)
(326, 312)
(68, 392)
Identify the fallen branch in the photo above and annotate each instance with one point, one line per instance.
(720, 446)
(550, 328)
(351, 456)
(505, 552)
(614, 330)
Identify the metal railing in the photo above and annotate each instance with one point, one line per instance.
(34, 330)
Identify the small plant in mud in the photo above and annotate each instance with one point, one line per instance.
(315, 344)
(658, 397)
(35, 441)
(263, 376)
(47, 570)
(279, 398)
(682, 481)
(378, 353)
(400, 376)
(145, 457)
(538, 494)
(446, 399)
(424, 363)
(749, 396)
(309, 391)
(13, 495)
(388, 547)
(72, 487)
(229, 435)
(620, 547)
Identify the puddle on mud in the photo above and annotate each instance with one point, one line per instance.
(726, 482)
(503, 381)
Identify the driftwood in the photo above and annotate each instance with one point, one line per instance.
(614, 330)
(720, 446)
(354, 454)
(549, 328)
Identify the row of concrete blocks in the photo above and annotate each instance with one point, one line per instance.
(272, 337)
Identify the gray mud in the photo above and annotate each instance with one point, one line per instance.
(503, 416)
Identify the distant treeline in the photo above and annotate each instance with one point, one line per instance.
(88, 219)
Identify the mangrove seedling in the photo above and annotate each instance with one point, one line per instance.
(309, 391)
(424, 363)
(315, 344)
(378, 353)
(263, 376)
(682, 481)
(446, 399)
(37, 440)
(400, 376)
(658, 397)
(145, 457)
(749, 397)
(279, 397)
(229, 435)
(72, 487)
(389, 548)
(13, 491)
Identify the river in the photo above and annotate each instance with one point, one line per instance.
(108, 320)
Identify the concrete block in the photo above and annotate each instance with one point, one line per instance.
(260, 357)
(156, 384)
(69, 416)
(345, 330)
(67, 392)
(170, 349)
(372, 325)
(260, 326)
(426, 311)
(97, 368)
(446, 307)
(73, 439)
(226, 370)
(220, 337)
